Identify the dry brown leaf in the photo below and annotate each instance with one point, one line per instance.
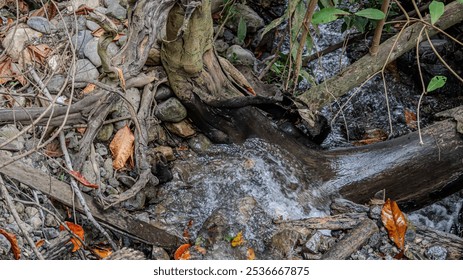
(84, 10)
(79, 177)
(395, 223)
(237, 240)
(182, 252)
(89, 88)
(39, 53)
(122, 147)
(410, 119)
(371, 136)
(250, 254)
(53, 149)
(6, 72)
(77, 230)
(14, 243)
(48, 10)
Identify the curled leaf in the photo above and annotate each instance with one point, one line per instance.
(14, 243)
(182, 252)
(395, 223)
(79, 177)
(122, 147)
(102, 252)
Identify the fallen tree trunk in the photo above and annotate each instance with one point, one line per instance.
(354, 75)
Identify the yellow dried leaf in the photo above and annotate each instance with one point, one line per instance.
(395, 223)
(238, 239)
(121, 77)
(122, 147)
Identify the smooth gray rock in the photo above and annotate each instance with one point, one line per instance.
(50, 221)
(91, 51)
(41, 24)
(16, 38)
(199, 143)
(50, 233)
(171, 110)
(88, 173)
(240, 56)
(36, 222)
(55, 83)
(253, 21)
(108, 167)
(82, 37)
(19, 207)
(117, 11)
(85, 70)
(221, 46)
(9, 131)
(92, 25)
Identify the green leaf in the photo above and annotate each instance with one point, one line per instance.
(436, 9)
(326, 15)
(273, 24)
(436, 82)
(460, 1)
(241, 30)
(371, 14)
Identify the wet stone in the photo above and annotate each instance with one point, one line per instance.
(105, 134)
(199, 143)
(41, 24)
(182, 129)
(135, 203)
(171, 110)
(375, 212)
(436, 253)
(163, 92)
(253, 21)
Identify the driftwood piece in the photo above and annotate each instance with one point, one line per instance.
(353, 240)
(320, 95)
(341, 205)
(62, 193)
(336, 222)
(77, 113)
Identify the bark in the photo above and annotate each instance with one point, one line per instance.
(320, 95)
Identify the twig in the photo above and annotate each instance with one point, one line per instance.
(77, 192)
(17, 219)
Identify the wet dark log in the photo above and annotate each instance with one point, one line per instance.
(411, 173)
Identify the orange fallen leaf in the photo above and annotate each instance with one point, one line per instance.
(81, 130)
(6, 72)
(120, 74)
(181, 251)
(101, 252)
(395, 223)
(79, 177)
(14, 243)
(89, 88)
(251, 91)
(121, 147)
(237, 240)
(39, 243)
(250, 254)
(77, 230)
(410, 118)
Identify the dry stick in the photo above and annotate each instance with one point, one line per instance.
(306, 23)
(77, 192)
(18, 221)
(422, 84)
(379, 29)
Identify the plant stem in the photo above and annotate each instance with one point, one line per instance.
(379, 29)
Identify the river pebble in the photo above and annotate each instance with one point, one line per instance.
(41, 24)
(171, 110)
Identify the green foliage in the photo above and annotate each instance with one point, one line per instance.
(436, 83)
(328, 14)
(436, 9)
(241, 30)
(371, 13)
(460, 1)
